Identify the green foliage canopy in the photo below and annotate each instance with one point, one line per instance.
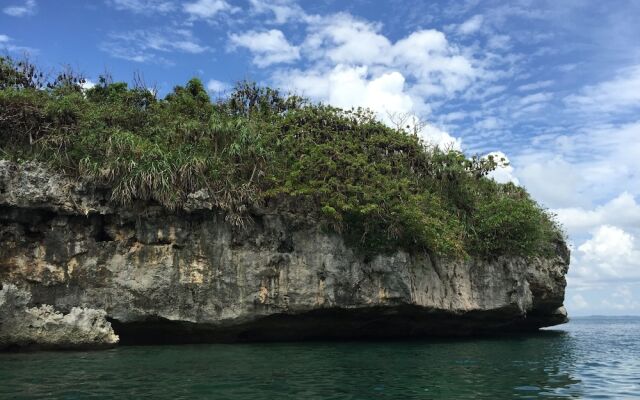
(381, 188)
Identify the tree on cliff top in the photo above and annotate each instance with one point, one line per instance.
(381, 188)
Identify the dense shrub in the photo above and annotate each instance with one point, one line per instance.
(381, 188)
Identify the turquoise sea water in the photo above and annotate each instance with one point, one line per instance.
(587, 358)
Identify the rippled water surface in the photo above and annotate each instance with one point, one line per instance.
(587, 358)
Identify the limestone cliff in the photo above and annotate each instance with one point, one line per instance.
(160, 276)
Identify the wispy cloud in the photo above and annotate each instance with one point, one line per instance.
(535, 85)
(29, 7)
(620, 94)
(207, 9)
(8, 44)
(144, 6)
(471, 25)
(282, 10)
(153, 45)
(535, 98)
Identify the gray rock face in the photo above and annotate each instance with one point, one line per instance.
(162, 276)
(44, 327)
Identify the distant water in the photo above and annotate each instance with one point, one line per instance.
(588, 358)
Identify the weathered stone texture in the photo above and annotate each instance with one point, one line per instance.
(193, 274)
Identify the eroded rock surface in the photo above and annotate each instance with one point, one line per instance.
(190, 276)
(44, 327)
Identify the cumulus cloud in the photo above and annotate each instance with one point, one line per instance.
(436, 136)
(88, 84)
(348, 62)
(29, 7)
(609, 256)
(608, 243)
(435, 66)
(268, 47)
(343, 39)
(354, 86)
(347, 86)
(591, 179)
(438, 66)
(621, 211)
(215, 86)
(504, 171)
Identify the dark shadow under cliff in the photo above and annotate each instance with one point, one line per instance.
(375, 323)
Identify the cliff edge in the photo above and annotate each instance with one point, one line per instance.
(150, 275)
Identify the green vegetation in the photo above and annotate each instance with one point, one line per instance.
(379, 187)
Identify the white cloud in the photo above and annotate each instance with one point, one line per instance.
(206, 9)
(471, 25)
(146, 45)
(622, 300)
(268, 47)
(622, 93)
(535, 85)
(504, 171)
(434, 66)
(579, 302)
(343, 39)
(589, 167)
(348, 62)
(88, 84)
(29, 7)
(591, 179)
(609, 256)
(144, 6)
(348, 86)
(621, 211)
(489, 123)
(215, 86)
(550, 179)
(608, 243)
(499, 42)
(8, 44)
(435, 136)
(282, 10)
(438, 66)
(535, 98)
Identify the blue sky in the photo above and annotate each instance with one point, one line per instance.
(553, 85)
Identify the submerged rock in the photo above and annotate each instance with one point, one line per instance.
(159, 276)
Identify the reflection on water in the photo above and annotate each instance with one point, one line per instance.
(587, 358)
